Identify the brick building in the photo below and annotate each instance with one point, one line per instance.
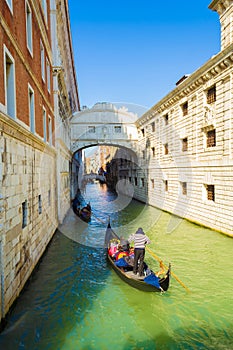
(29, 113)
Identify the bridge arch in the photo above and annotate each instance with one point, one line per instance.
(104, 124)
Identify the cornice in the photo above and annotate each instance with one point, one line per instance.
(215, 66)
(220, 6)
(13, 129)
(25, 63)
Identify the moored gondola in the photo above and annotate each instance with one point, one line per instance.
(148, 283)
(84, 213)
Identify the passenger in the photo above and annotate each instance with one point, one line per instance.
(140, 240)
(124, 243)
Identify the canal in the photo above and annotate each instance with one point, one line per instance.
(74, 301)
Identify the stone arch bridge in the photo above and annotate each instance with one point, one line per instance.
(104, 124)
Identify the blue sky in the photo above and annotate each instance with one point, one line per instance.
(133, 52)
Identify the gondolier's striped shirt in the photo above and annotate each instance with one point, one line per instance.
(139, 240)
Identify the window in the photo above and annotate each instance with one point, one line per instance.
(152, 183)
(211, 95)
(143, 132)
(50, 132)
(29, 27)
(48, 75)
(165, 182)
(184, 188)
(117, 129)
(31, 106)
(185, 108)
(142, 182)
(49, 198)
(211, 138)
(9, 70)
(24, 214)
(91, 129)
(44, 7)
(143, 154)
(210, 192)
(153, 151)
(166, 119)
(135, 181)
(165, 149)
(185, 144)
(45, 125)
(39, 204)
(153, 127)
(42, 60)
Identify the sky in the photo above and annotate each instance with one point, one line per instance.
(132, 52)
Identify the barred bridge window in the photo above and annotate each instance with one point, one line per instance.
(211, 138)
(211, 95)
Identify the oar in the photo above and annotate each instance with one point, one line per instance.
(160, 261)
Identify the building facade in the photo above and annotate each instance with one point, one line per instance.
(29, 175)
(186, 141)
(66, 102)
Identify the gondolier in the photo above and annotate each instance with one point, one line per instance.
(140, 239)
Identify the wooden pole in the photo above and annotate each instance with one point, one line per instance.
(160, 261)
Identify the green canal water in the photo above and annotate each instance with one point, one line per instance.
(74, 301)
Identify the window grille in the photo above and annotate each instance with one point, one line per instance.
(211, 95)
(185, 144)
(211, 138)
(185, 108)
(210, 192)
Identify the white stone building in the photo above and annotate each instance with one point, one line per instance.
(186, 141)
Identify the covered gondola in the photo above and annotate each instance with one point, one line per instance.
(84, 213)
(148, 283)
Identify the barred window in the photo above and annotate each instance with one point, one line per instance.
(185, 144)
(39, 204)
(210, 192)
(91, 129)
(211, 95)
(184, 188)
(185, 108)
(211, 138)
(24, 214)
(117, 129)
(153, 127)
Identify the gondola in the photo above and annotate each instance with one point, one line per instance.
(126, 273)
(84, 213)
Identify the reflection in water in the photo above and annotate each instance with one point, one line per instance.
(74, 301)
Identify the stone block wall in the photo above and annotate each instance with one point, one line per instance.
(27, 175)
